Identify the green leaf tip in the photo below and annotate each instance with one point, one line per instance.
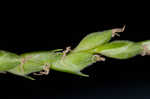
(96, 39)
(119, 49)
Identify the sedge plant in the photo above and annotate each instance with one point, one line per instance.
(93, 48)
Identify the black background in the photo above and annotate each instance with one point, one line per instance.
(113, 79)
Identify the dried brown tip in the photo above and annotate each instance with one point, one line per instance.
(46, 70)
(117, 30)
(99, 58)
(68, 49)
(146, 51)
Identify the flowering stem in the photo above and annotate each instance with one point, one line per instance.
(90, 50)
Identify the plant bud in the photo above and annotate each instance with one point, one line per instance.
(74, 63)
(119, 49)
(96, 39)
(35, 62)
(8, 60)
